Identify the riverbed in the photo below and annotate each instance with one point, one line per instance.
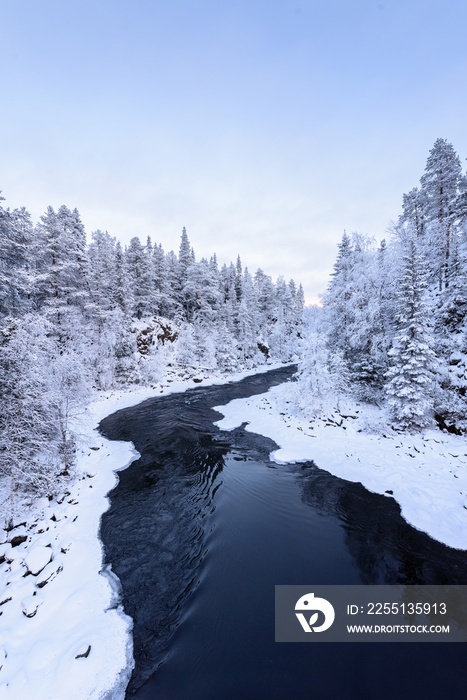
(204, 525)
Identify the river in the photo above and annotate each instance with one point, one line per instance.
(203, 526)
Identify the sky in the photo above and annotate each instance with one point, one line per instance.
(266, 127)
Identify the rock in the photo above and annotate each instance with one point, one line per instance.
(4, 550)
(48, 573)
(18, 565)
(16, 574)
(83, 652)
(30, 604)
(19, 539)
(16, 532)
(37, 559)
(12, 554)
(13, 527)
(42, 526)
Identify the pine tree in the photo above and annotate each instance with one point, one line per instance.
(226, 350)
(265, 293)
(139, 269)
(411, 378)
(414, 205)
(339, 376)
(314, 385)
(338, 297)
(238, 279)
(123, 298)
(102, 276)
(16, 263)
(175, 308)
(62, 287)
(440, 187)
(163, 304)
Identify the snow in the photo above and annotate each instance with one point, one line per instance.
(426, 472)
(63, 632)
(37, 559)
(58, 599)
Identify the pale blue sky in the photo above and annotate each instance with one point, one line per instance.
(265, 127)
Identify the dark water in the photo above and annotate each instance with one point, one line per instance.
(202, 528)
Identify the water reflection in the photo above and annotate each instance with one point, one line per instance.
(385, 548)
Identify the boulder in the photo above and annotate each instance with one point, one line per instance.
(37, 559)
(30, 604)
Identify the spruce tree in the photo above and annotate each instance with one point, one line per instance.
(16, 261)
(411, 378)
(440, 187)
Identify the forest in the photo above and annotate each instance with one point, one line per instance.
(393, 327)
(80, 316)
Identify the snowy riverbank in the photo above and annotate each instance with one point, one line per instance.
(63, 633)
(425, 473)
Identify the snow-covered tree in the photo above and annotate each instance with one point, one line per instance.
(140, 276)
(411, 377)
(16, 261)
(440, 188)
(62, 287)
(29, 430)
(314, 388)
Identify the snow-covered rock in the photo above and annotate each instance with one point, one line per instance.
(4, 549)
(48, 573)
(16, 533)
(30, 604)
(42, 526)
(15, 574)
(37, 559)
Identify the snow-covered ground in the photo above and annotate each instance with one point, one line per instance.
(63, 633)
(425, 473)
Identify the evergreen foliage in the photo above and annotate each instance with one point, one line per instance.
(395, 317)
(411, 377)
(76, 317)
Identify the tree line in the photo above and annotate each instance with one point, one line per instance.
(76, 316)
